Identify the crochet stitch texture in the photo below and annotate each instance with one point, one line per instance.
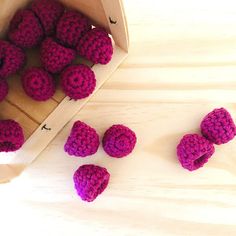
(78, 81)
(90, 181)
(11, 136)
(71, 27)
(96, 46)
(48, 12)
(218, 126)
(194, 151)
(83, 140)
(55, 57)
(25, 30)
(119, 141)
(38, 84)
(12, 59)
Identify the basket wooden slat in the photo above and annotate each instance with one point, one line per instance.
(42, 121)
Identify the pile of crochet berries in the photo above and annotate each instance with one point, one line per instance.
(91, 180)
(217, 128)
(61, 35)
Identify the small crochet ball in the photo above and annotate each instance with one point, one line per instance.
(11, 136)
(218, 126)
(12, 59)
(3, 89)
(55, 57)
(25, 29)
(83, 140)
(78, 81)
(38, 84)
(96, 46)
(194, 151)
(71, 26)
(119, 141)
(90, 181)
(48, 12)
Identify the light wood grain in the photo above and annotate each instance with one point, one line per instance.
(180, 66)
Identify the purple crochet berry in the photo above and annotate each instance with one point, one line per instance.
(194, 151)
(119, 141)
(3, 89)
(83, 140)
(218, 126)
(38, 84)
(12, 59)
(71, 27)
(78, 81)
(11, 136)
(96, 46)
(55, 57)
(48, 12)
(90, 181)
(25, 30)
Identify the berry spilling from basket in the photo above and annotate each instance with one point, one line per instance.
(217, 127)
(90, 181)
(60, 34)
(119, 141)
(83, 140)
(11, 136)
(194, 151)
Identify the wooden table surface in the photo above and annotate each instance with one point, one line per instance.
(181, 65)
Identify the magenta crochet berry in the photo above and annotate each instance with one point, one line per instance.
(96, 46)
(11, 136)
(119, 141)
(90, 181)
(78, 81)
(194, 151)
(54, 57)
(218, 126)
(12, 59)
(3, 89)
(38, 84)
(25, 30)
(83, 140)
(71, 26)
(48, 12)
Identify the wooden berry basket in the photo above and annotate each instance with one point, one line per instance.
(42, 121)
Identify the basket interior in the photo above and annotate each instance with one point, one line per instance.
(17, 105)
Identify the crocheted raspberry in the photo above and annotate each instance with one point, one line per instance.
(218, 126)
(25, 30)
(11, 136)
(194, 151)
(12, 59)
(48, 12)
(96, 46)
(90, 181)
(119, 141)
(83, 140)
(54, 57)
(3, 89)
(38, 84)
(71, 26)
(78, 81)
